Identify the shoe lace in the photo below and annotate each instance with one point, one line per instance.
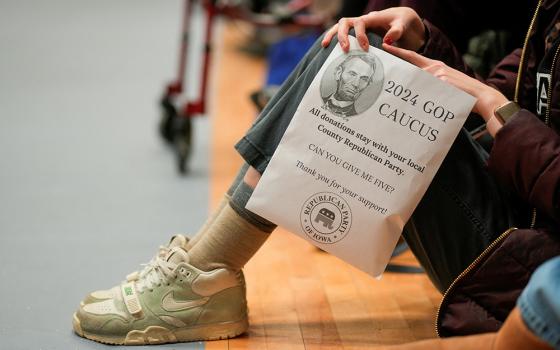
(163, 250)
(154, 273)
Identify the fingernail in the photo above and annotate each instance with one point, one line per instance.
(388, 41)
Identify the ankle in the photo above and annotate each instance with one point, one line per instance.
(238, 202)
(229, 243)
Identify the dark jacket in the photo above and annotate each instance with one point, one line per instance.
(525, 158)
(455, 18)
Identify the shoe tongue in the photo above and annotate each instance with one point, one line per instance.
(177, 255)
(178, 241)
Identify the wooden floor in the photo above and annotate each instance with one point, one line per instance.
(300, 297)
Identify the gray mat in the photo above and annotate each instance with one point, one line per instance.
(87, 189)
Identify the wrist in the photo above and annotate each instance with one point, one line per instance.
(506, 111)
(502, 114)
(488, 103)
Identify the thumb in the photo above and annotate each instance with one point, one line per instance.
(393, 34)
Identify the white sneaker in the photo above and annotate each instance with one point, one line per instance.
(168, 301)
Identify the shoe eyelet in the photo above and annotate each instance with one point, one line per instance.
(189, 274)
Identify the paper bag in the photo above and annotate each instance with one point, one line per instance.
(359, 154)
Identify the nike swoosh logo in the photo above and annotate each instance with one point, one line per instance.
(170, 304)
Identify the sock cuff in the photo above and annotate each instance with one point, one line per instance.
(238, 202)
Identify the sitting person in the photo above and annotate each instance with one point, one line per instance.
(194, 290)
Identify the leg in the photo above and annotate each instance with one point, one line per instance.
(200, 294)
(236, 181)
(260, 142)
(236, 234)
(462, 212)
(232, 243)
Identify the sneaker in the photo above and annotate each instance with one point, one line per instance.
(101, 295)
(170, 301)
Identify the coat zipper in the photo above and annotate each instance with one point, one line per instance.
(518, 83)
(547, 118)
(468, 270)
(522, 58)
(534, 216)
(547, 115)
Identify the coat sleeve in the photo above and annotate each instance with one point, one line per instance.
(439, 47)
(502, 77)
(526, 158)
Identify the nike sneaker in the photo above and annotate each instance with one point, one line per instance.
(100, 295)
(169, 301)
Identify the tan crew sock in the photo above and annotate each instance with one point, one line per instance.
(229, 242)
(208, 222)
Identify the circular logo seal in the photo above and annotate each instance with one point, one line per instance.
(325, 217)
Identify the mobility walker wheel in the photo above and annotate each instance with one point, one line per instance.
(168, 115)
(176, 129)
(182, 139)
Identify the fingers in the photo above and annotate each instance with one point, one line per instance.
(398, 24)
(341, 31)
(343, 27)
(407, 55)
(360, 30)
(329, 35)
(394, 33)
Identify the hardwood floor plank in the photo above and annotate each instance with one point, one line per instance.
(281, 322)
(354, 324)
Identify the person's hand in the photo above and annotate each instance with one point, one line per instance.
(487, 98)
(400, 25)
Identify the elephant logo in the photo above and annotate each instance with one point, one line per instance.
(326, 217)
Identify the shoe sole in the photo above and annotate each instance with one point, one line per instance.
(161, 335)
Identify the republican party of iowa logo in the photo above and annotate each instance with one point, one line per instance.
(325, 217)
